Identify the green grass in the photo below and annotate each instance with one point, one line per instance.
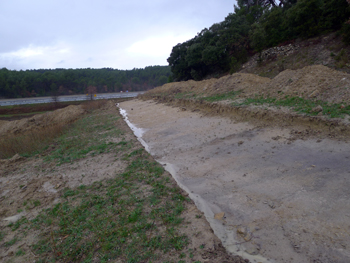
(11, 242)
(134, 217)
(218, 97)
(89, 136)
(21, 114)
(20, 252)
(185, 95)
(116, 218)
(302, 105)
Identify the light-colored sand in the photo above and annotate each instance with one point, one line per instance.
(288, 201)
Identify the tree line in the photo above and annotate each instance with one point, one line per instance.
(255, 25)
(54, 82)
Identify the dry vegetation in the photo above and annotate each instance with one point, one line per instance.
(27, 136)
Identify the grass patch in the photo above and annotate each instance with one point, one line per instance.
(30, 143)
(20, 115)
(185, 95)
(89, 136)
(113, 219)
(134, 217)
(303, 106)
(218, 97)
(11, 242)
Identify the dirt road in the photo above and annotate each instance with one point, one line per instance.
(284, 200)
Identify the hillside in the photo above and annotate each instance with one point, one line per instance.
(258, 25)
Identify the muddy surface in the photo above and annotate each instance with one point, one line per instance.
(284, 198)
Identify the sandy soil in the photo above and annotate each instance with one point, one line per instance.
(312, 82)
(284, 199)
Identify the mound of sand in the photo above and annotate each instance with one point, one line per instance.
(60, 116)
(312, 82)
(235, 82)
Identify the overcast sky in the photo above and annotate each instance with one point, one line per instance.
(100, 33)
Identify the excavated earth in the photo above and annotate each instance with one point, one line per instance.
(274, 184)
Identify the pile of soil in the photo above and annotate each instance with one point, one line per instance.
(39, 121)
(312, 82)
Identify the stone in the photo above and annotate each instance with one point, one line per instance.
(252, 251)
(14, 218)
(219, 216)
(242, 231)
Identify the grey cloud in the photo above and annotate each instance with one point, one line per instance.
(71, 31)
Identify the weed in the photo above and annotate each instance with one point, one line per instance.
(303, 105)
(226, 96)
(88, 137)
(20, 252)
(114, 219)
(11, 242)
(185, 95)
(36, 203)
(14, 226)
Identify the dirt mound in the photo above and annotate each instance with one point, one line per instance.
(235, 82)
(313, 82)
(61, 116)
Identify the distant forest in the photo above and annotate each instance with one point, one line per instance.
(254, 26)
(54, 82)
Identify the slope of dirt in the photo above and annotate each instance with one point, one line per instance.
(327, 50)
(60, 116)
(312, 82)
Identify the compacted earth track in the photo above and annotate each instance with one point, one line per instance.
(271, 193)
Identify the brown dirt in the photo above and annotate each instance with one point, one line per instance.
(60, 116)
(311, 82)
(25, 180)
